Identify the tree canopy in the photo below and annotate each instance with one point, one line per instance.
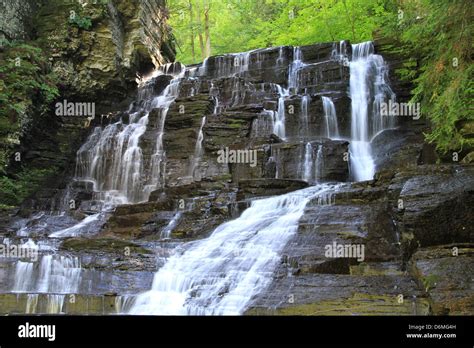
(209, 27)
(437, 32)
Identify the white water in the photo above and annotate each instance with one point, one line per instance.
(112, 157)
(368, 88)
(166, 232)
(308, 163)
(339, 52)
(330, 119)
(197, 151)
(55, 274)
(280, 115)
(319, 167)
(80, 228)
(158, 158)
(304, 115)
(221, 274)
(295, 67)
(54, 303)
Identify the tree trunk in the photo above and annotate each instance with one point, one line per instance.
(193, 49)
(201, 41)
(207, 7)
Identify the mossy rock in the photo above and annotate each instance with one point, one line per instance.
(111, 245)
(358, 304)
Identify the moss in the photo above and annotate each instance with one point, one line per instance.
(369, 270)
(103, 244)
(358, 304)
(430, 281)
(236, 124)
(27, 88)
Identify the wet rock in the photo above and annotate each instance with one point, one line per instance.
(267, 187)
(290, 158)
(160, 82)
(329, 294)
(394, 149)
(446, 273)
(102, 244)
(127, 220)
(439, 207)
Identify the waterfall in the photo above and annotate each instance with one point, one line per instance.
(318, 168)
(112, 158)
(221, 274)
(295, 67)
(368, 88)
(214, 92)
(87, 225)
(304, 115)
(171, 225)
(339, 52)
(330, 119)
(197, 151)
(280, 115)
(280, 56)
(229, 64)
(308, 162)
(56, 274)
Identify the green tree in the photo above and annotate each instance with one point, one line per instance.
(440, 32)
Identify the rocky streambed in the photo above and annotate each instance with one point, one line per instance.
(414, 218)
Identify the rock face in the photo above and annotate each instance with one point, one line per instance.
(99, 64)
(96, 51)
(15, 19)
(445, 273)
(392, 222)
(245, 126)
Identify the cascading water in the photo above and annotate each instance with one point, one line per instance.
(368, 88)
(197, 151)
(57, 274)
(339, 52)
(166, 232)
(304, 115)
(112, 158)
(221, 274)
(318, 168)
(158, 158)
(308, 163)
(85, 226)
(295, 67)
(330, 119)
(279, 115)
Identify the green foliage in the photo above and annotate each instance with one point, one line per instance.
(26, 86)
(430, 281)
(15, 189)
(240, 25)
(81, 22)
(439, 31)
